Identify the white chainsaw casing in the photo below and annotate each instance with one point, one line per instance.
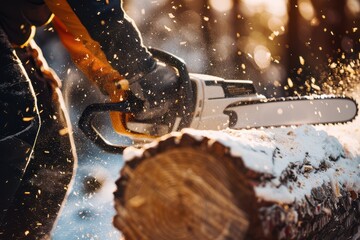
(212, 100)
(210, 104)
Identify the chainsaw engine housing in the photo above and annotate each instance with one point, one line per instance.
(212, 95)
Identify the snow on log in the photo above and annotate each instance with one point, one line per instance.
(286, 183)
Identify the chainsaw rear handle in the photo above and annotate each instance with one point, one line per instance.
(133, 104)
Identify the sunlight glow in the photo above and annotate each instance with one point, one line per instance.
(262, 56)
(306, 9)
(353, 6)
(274, 7)
(276, 24)
(221, 5)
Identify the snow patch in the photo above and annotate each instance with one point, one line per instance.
(280, 147)
(275, 194)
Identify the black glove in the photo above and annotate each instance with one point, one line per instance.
(158, 89)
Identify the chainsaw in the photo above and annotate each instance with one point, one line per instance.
(212, 103)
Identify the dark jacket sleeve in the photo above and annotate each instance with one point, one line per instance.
(18, 111)
(18, 18)
(105, 22)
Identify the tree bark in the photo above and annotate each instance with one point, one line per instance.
(201, 186)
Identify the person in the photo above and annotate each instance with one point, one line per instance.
(37, 153)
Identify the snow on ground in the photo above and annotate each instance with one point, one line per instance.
(88, 215)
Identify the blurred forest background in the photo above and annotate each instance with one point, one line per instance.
(286, 46)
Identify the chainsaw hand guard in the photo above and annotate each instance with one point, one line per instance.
(132, 105)
(88, 115)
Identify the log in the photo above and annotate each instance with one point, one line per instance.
(289, 183)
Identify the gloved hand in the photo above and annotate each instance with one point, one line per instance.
(157, 89)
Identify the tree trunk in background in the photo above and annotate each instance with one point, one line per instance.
(297, 71)
(236, 29)
(238, 64)
(203, 186)
(207, 19)
(222, 32)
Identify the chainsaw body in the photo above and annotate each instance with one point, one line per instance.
(212, 95)
(211, 103)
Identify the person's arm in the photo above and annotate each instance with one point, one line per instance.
(107, 36)
(105, 30)
(96, 68)
(92, 63)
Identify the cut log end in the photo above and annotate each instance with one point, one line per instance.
(181, 193)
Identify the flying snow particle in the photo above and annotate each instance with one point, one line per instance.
(167, 28)
(27, 119)
(63, 131)
(316, 87)
(302, 60)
